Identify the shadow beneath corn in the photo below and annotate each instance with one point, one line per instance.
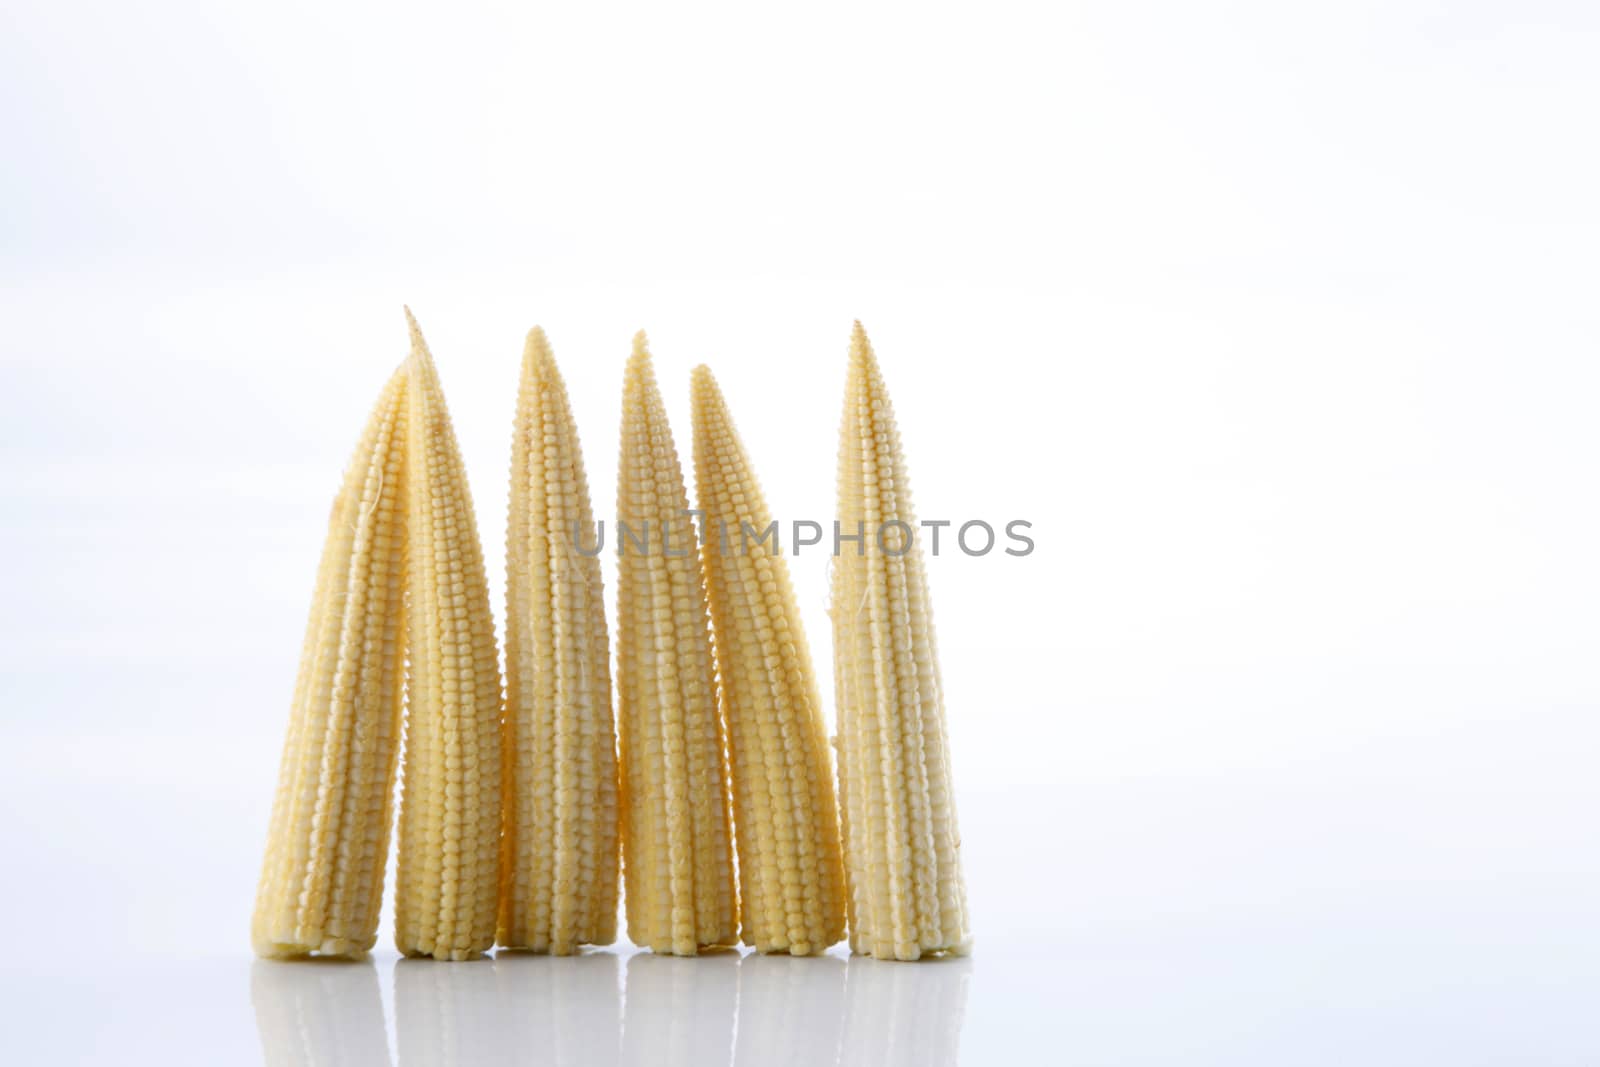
(904, 1013)
(714, 1010)
(559, 1009)
(516, 1008)
(853, 1012)
(680, 1011)
(318, 1011)
(790, 1010)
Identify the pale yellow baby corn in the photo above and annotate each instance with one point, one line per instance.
(902, 846)
(677, 844)
(448, 873)
(558, 871)
(327, 848)
(786, 822)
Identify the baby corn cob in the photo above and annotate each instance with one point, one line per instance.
(902, 847)
(558, 867)
(450, 802)
(677, 848)
(791, 877)
(322, 880)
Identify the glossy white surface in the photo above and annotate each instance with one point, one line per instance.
(606, 1009)
(1242, 922)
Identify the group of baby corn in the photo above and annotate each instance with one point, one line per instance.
(513, 798)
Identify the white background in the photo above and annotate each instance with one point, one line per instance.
(1277, 321)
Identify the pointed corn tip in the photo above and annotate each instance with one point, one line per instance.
(638, 374)
(705, 397)
(397, 379)
(538, 365)
(860, 346)
(536, 346)
(861, 358)
(640, 366)
(419, 346)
